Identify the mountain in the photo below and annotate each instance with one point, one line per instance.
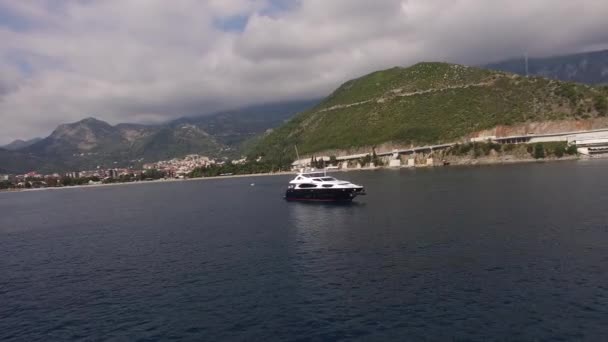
(235, 127)
(175, 141)
(17, 162)
(90, 142)
(88, 135)
(588, 67)
(19, 144)
(427, 103)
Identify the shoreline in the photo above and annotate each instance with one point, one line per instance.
(466, 163)
(158, 181)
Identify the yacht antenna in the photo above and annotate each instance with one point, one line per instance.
(526, 61)
(297, 154)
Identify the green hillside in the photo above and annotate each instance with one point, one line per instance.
(15, 162)
(427, 103)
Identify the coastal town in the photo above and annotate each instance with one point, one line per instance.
(478, 150)
(176, 168)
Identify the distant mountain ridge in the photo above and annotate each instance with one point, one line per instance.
(586, 67)
(90, 142)
(19, 144)
(428, 102)
(236, 126)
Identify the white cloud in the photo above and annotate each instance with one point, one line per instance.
(152, 60)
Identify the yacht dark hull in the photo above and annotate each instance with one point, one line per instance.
(323, 195)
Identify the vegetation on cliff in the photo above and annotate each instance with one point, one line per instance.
(476, 150)
(425, 104)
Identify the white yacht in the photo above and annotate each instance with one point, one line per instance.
(317, 186)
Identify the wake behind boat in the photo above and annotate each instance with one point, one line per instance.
(317, 186)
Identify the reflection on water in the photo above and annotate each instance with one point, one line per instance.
(497, 253)
(315, 222)
(317, 214)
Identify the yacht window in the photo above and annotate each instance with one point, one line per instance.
(317, 179)
(315, 175)
(303, 186)
(328, 185)
(328, 179)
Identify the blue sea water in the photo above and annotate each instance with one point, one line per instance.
(501, 253)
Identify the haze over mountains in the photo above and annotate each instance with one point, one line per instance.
(90, 142)
(426, 103)
(587, 67)
(19, 144)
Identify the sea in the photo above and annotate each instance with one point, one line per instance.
(491, 253)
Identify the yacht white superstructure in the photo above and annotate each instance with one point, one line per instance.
(317, 186)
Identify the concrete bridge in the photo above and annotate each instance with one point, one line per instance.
(590, 142)
(393, 157)
(569, 137)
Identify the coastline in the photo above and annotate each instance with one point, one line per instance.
(461, 163)
(158, 181)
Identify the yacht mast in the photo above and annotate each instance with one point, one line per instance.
(297, 154)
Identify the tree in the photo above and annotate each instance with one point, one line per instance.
(197, 173)
(477, 150)
(569, 91)
(375, 159)
(333, 160)
(571, 150)
(464, 148)
(67, 181)
(495, 146)
(530, 149)
(365, 160)
(601, 104)
(249, 167)
(539, 151)
(154, 174)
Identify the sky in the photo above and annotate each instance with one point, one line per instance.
(148, 61)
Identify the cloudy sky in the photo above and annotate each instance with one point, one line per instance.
(153, 60)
